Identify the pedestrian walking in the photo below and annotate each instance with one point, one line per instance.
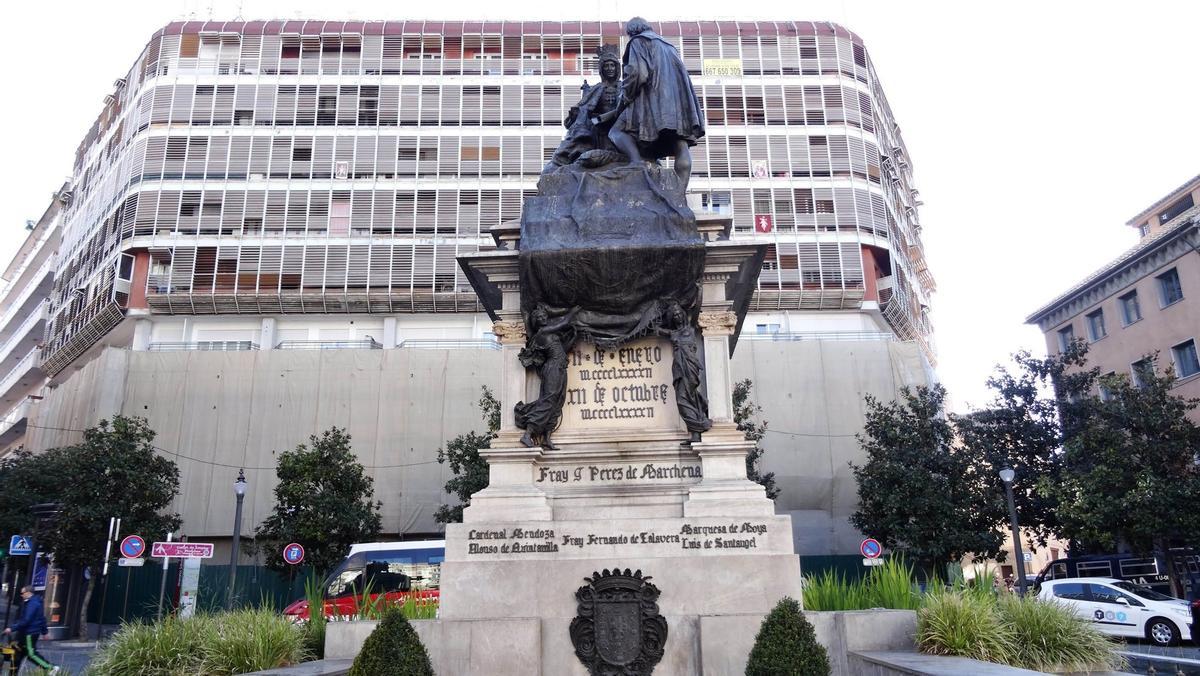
(28, 629)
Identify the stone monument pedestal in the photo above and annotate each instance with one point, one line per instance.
(624, 489)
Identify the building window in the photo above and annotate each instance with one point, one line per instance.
(1130, 310)
(1066, 336)
(1106, 393)
(1095, 323)
(1186, 361)
(1177, 208)
(1143, 230)
(1169, 289)
(1142, 371)
(301, 154)
(766, 328)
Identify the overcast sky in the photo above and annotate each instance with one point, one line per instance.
(1036, 128)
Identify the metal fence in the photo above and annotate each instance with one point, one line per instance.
(368, 344)
(205, 346)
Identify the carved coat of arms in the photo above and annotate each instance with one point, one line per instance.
(618, 631)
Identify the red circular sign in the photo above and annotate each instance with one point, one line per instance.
(293, 553)
(132, 547)
(871, 548)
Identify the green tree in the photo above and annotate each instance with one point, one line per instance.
(745, 415)
(1034, 405)
(324, 500)
(113, 472)
(26, 480)
(786, 645)
(1130, 476)
(919, 494)
(469, 468)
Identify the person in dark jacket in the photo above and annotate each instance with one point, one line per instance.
(28, 629)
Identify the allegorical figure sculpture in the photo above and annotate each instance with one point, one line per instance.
(547, 352)
(585, 131)
(686, 370)
(658, 115)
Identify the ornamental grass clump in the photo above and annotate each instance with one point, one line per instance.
(1026, 633)
(1050, 637)
(239, 642)
(786, 645)
(832, 590)
(253, 640)
(168, 648)
(953, 623)
(393, 649)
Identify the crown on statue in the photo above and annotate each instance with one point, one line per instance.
(608, 53)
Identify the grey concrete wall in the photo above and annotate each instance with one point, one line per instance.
(217, 411)
(812, 396)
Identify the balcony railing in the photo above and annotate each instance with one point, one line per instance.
(782, 336)
(438, 344)
(15, 415)
(23, 367)
(30, 287)
(38, 315)
(368, 344)
(205, 346)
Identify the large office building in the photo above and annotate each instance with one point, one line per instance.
(252, 191)
(1144, 303)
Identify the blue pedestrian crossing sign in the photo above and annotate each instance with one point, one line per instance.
(20, 545)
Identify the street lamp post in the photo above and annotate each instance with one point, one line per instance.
(239, 489)
(1006, 475)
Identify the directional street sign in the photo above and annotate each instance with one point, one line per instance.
(126, 563)
(293, 553)
(132, 547)
(192, 550)
(871, 548)
(20, 545)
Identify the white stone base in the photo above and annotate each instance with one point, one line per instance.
(712, 645)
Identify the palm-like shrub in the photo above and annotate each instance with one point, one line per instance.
(393, 649)
(953, 623)
(1050, 637)
(1026, 633)
(239, 642)
(786, 645)
(253, 640)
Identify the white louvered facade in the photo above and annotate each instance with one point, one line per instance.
(309, 170)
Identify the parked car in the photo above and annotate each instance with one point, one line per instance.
(1121, 608)
(395, 570)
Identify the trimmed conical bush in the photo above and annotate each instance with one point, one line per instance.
(786, 645)
(393, 649)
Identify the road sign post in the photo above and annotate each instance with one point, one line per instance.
(20, 545)
(114, 530)
(293, 553)
(184, 550)
(871, 551)
(162, 583)
(132, 547)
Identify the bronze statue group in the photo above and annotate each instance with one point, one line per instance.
(644, 109)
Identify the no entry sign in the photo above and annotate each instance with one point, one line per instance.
(871, 548)
(133, 546)
(293, 553)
